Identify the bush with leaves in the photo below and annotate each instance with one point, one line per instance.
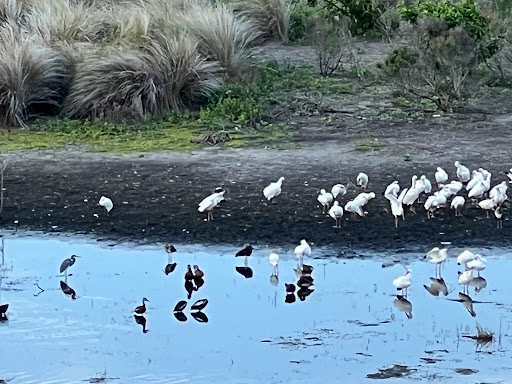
(436, 65)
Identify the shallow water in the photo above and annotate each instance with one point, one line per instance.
(347, 328)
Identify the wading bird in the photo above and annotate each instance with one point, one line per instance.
(392, 189)
(189, 275)
(141, 308)
(441, 176)
(498, 213)
(273, 258)
(397, 208)
(336, 212)
(245, 251)
(302, 250)
(403, 282)
(3, 310)
(290, 288)
(197, 272)
(464, 278)
(338, 189)
(325, 198)
(437, 257)
(457, 204)
(463, 173)
(106, 203)
(465, 257)
(478, 264)
(199, 305)
(211, 202)
(66, 264)
(362, 180)
(141, 320)
(273, 190)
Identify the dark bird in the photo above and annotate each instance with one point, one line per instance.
(245, 251)
(199, 282)
(304, 292)
(290, 288)
(307, 269)
(141, 308)
(3, 310)
(305, 281)
(199, 305)
(169, 248)
(180, 316)
(245, 271)
(169, 268)
(200, 317)
(140, 319)
(290, 298)
(436, 287)
(189, 287)
(180, 306)
(189, 275)
(198, 272)
(403, 305)
(67, 290)
(67, 263)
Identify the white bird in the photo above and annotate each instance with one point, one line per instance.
(441, 176)
(476, 177)
(478, 190)
(437, 257)
(302, 250)
(427, 185)
(465, 257)
(414, 192)
(106, 203)
(397, 208)
(499, 217)
(463, 173)
(453, 187)
(336, 212)
(403, 282)
(392, 189)
(363, 198)
(465, 278)
(434, 202)
(457, 204)
(273, 190)
(338, 189)
(325, 198)
(273, 258)
(354, 207)
(362, 180)
(478, 264)
(488, 205)
(499, 193)
(509, 175)
(211, 202)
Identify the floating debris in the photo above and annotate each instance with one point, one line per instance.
(392, 372)
(466, 371)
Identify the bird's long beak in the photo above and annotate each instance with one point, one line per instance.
(77, 256)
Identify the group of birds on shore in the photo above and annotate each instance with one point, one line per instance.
(472, 263)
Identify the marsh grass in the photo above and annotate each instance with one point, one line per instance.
(369, 145)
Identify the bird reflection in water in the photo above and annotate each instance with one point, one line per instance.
(273, 258)
(304, 292)
(170, 267)
(245, 271)
(141, 320)
(290, 293)
(437, 286)
(403, 305)
(478, 282)
(178, 311)
(200, 317)
(196, 310)
(305, 281)
(68, 291)
(3, 310)
(467, 302)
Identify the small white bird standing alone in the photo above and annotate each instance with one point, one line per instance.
(403, 282)
(273, 258)
(465, 278)
(362, 180)
(336, 212)
(302, 250)
(106, 203)
(273, 190)
(211, 202)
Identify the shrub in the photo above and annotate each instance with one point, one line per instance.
(272, 17)
(303, 14)
(363, 14)
(33, 77)
(160, 77)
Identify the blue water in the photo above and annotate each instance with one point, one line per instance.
(252, 335)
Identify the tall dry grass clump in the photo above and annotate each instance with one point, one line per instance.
(34, 78)
(223, 36)
(272, 17)
(11, 11)
(160, 77)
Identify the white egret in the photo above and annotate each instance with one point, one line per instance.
(465, 278)
(437, 257)
(338, 189)
(362, 180)
(106, 203)
(478, 264)
(392, 189)
(336, 212)
(441, 176)
(476, 177)
(211, 202)
(488, 205)
(478, 190)
(499, 217)
(273, 258)
(354, 207)
(457, 204)
(403, 282)
(302, 250)
(465, 257)
(273, 190)
(463, 173)
(397, 208)
(325, 198)
(434, 202)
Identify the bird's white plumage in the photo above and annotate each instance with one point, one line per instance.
(476, 177)
(441, 176)
(303, 249)
(465, 257)
(403, 281)
(273, 189)
(463, 173)
(392, 189)
(362, 179)
(437, 256)
(457, 202)
(273, 258)
(106, 203)
(325, 198)
(338, 189)
(478, 263)
(336, 212)
(210, 202)
(427, 185)
(465, 277)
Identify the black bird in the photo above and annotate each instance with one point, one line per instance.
(180, 316)
(189, 275)
(199, 305)
(290, 298)
(200, 317)
(305, 281)
(245, 271)
(189, 287)
(67, 263)
(67, 290)
(245, 251)
(198, 272)
(169, 248)
(141, 308)
(180, 306)
(140, 319)
(290, 288)
(307, 269)
(199, 282)
(169, 268)
(3, 310)
(304, 292)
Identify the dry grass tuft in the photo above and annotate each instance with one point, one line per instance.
(272, 17)
(161, 77)
(34, 78)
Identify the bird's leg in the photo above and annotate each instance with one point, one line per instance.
(273, 200)
(487, 213)
(412, 209)
(246, 262)
(396, 221)
(66, 276)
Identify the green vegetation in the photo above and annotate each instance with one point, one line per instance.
(369, 145)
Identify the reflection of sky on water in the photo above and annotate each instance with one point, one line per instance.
(323, 339)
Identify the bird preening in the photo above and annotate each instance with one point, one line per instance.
(106, 203)
(210, 202)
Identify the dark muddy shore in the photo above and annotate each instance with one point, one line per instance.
(156, 195)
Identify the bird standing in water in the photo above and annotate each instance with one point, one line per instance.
(198, 274)
(3, 310)
(141, 308)
(66, 264)
(189, 275)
